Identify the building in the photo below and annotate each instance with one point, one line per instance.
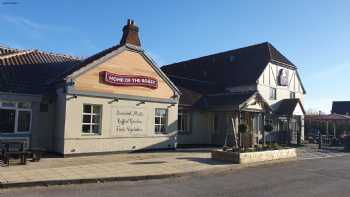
(341, 107)
(120, 100)
(115, 100)
(254, 85)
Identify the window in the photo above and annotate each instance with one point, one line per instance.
(91, 119)
(15, 117)
(183, 122)
(273, 94)
(160, 120)
(292, 95)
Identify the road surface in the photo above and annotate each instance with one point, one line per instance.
(328, 177)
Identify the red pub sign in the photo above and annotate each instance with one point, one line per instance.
(130, 80)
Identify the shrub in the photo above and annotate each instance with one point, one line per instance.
(242, 128)
(268, 128)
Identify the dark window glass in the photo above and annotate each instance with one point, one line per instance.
(86, 118)
(95, 129)
(86, 129)
(87, 108)
(23, 121)
(91, 119)
(95, 119)
(7, 120)
(183, 122)
(97, 109)
(292, 95)
(160, 120)
(273, 93)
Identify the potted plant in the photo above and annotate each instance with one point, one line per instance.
(242, 129)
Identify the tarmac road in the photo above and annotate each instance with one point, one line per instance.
(329, 177)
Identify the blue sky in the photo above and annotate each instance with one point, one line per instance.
(313, 34)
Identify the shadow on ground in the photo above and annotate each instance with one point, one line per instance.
(207, 161)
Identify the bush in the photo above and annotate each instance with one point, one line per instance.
(268, 128)
(273, 146)
(242, 128)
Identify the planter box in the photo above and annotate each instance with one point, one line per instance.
(252, 157)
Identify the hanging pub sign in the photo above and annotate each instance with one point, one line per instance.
(129, 80)
(283, 77)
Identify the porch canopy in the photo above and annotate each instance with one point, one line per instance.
(246, 101)
(289, 108)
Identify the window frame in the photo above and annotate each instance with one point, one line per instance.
(165, 124)
(17, 110)
(91, 123)
(273, 97)
(184, 122)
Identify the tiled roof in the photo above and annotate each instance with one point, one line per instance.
(232, 99)
(231, 68)
(188, 97)
(341, 107)
(6, 51)
(27, 71)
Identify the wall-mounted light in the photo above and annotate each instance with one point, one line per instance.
(141, 103)
(114, 100)
(72, 97)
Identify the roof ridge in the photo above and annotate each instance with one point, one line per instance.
(269, 48)
(16, 54)
(219, 53)
(26, 51)
(57, 54)
(193, 79)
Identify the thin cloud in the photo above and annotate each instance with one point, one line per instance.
(30, 24)
(34, 29)
(331, 71)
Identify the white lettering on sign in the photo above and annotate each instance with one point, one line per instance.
(130, 80)
(128, 121)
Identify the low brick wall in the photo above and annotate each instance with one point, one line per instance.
(252, 157)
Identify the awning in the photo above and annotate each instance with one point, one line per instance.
(289, 107)
(246, 101)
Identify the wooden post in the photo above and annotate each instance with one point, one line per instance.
(334, 129)
(263, 118)
(234, 131)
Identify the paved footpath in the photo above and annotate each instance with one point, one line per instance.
(126, 167)
(144, 165)
(328, 177)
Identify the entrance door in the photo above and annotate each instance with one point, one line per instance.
(295, 130)
(219, 128)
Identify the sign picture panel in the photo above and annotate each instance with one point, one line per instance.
(129, 80)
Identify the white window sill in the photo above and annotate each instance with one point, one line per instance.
(90, 134)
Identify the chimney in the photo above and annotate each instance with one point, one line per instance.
(130, 34)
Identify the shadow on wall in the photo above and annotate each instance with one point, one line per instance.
(169, 142)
